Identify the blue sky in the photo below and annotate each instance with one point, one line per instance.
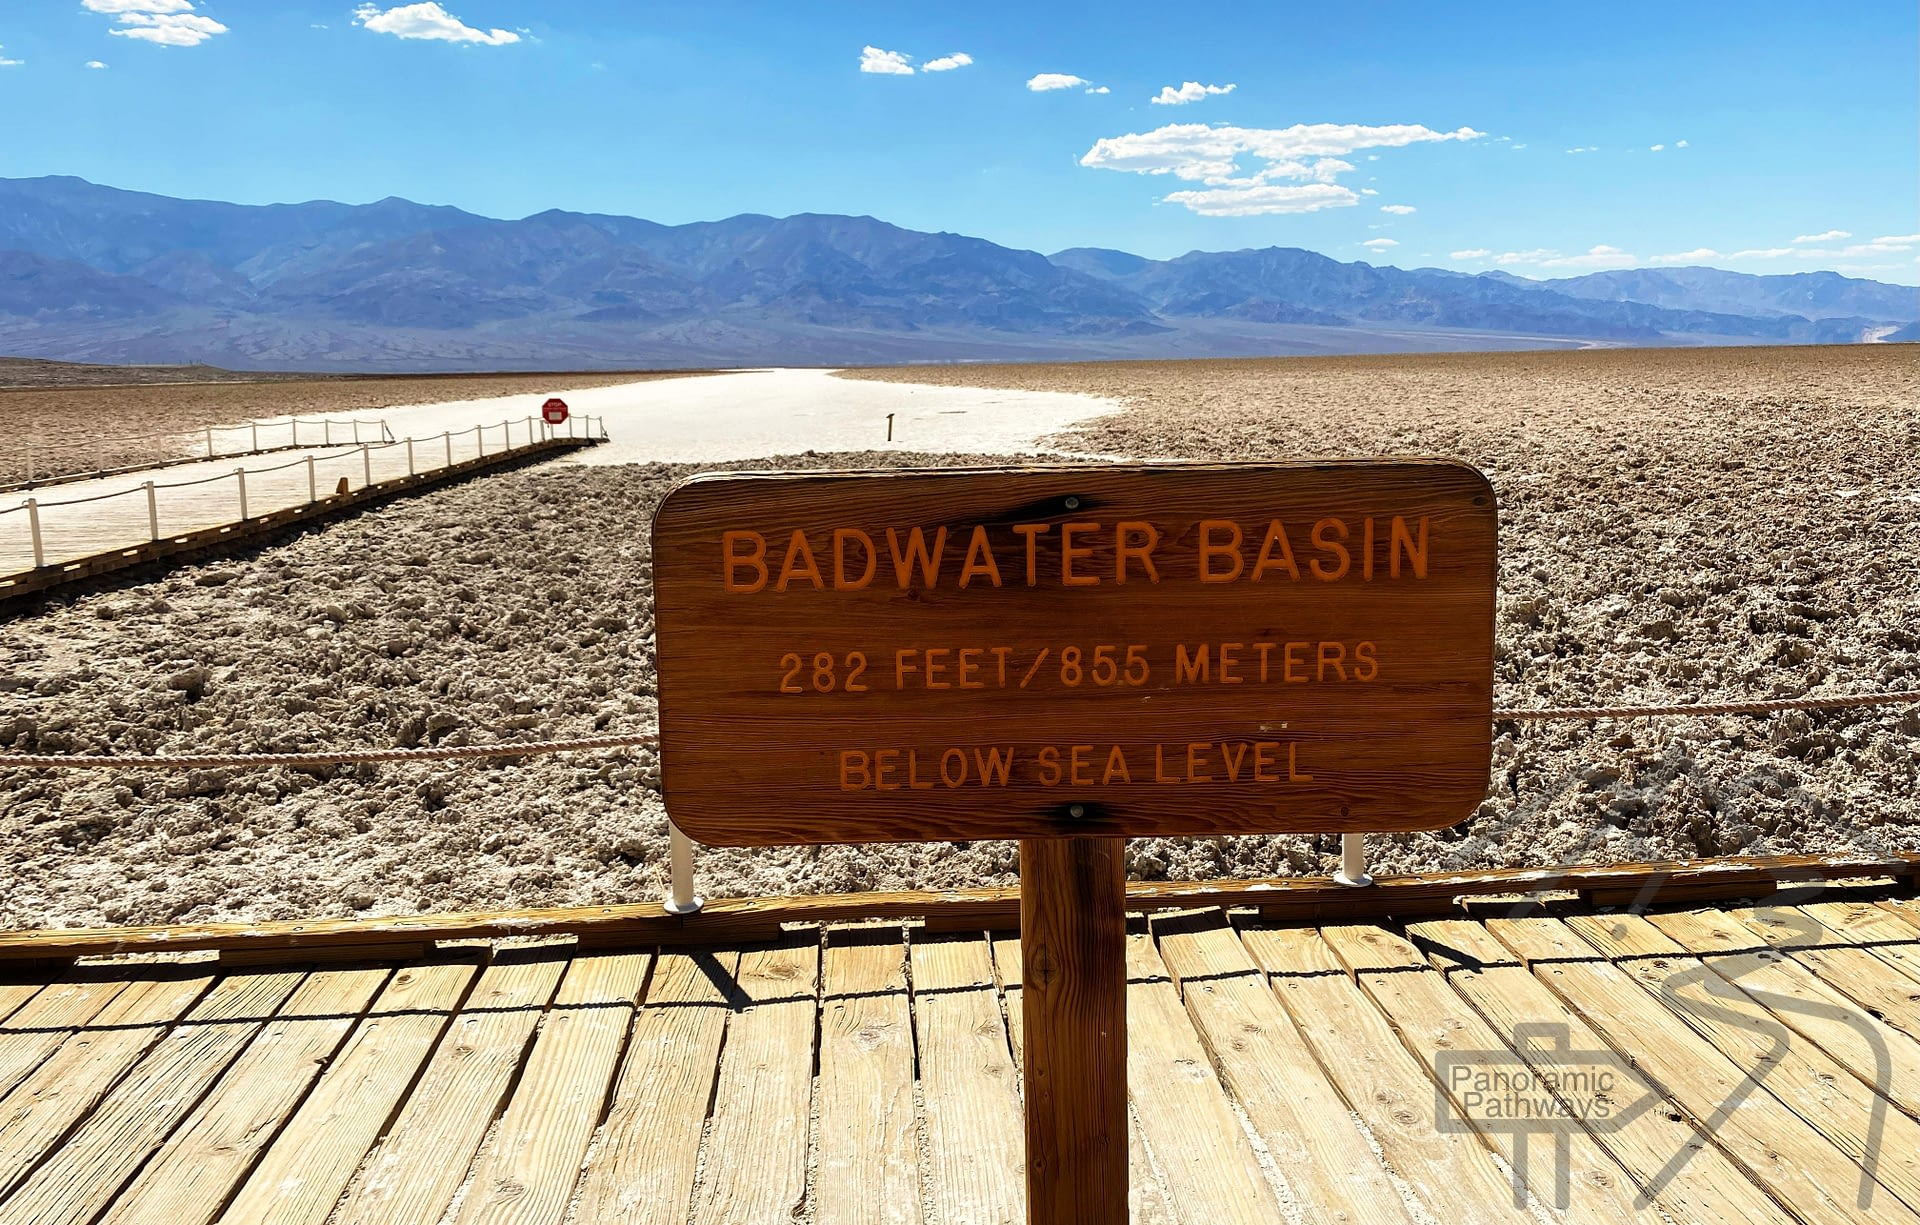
(1760, 136)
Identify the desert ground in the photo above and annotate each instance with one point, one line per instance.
(63, 411)
(1675, 525)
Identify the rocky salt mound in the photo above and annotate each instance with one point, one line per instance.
(1674, 526)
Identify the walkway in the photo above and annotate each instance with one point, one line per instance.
(1747, 1066)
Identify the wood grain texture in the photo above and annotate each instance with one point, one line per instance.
(1654, 1139)
(87, 1170)
(1146, 1198)
(642, 1170)
(38, 1027)
(188, 1179)
(1440, 1029)
(758, 1170)
(1797, 1162)
(1812, 1083)
(308, 1165)
(1852, 969)
(1453, 1176)
(733, 920)
(969, 1085)
(801, 660)
(60, 1091)
(529, 1170)
(1074, 999)
(867, 1167)
(423, 1159)
(1197, 1141)
(1270, 1070)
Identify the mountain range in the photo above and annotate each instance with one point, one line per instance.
(92, 273)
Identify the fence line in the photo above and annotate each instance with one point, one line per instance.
(533, 748)
(205, 437)
(513, 435)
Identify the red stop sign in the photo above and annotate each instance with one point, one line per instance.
(554, 411)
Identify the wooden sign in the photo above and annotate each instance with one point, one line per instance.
(1075, 651)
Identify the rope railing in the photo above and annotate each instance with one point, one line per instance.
(418, 460)
(198, 443)
(533, 748)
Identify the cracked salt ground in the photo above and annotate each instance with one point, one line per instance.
(522, 601)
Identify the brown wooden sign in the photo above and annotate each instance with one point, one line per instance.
(1075, 651)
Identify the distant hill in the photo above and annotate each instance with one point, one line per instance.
(94, 273)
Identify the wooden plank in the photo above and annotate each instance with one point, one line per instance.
(791, 616)
(46, 1103)
(12, 997)
(39, 1026)
(1875, 928)
(1852, 968)
(1190, 1128)
(1454, 1176)
(867, 1163)
(80, 1177)
(1577, 1175)
(529, 1170)
(1816, 1086)
(307, 1166)
(1880, 1056)
(189, 1177)
(1146, 1198)
(1271, 1072)
(1651, 1134)
(757, 1153)
(642, 1170)
(725, 920)
(970, 1089)
(1074, 996)
(422, 1161)
(1824, 1181)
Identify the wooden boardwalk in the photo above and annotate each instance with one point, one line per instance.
(1765, 1067)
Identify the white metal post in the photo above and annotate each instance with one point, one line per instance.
(313, 486)
(1353, 861)
(326, 431)
(366, 462)
(446, 436)
(356, 429)
(153, 511)
(256, 434)
(409, 455)
(480, 440)
(296, 430)
(682, 900)
(209, 442)
(240, 475)
(33, 527)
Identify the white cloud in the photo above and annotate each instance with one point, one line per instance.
(1040, 83)
(1584, 149)
(428, 21)
(1368, 191)
(1679, 144)
(1687, 257)
(137, 6)
(1828, 236)
(1191, 91)
(95, 64)
(1655, 148)
(1601, 256)
(7, 63)
(1264, 200)
(1379, 244)
(1398, 210)
(1099, 89)
(1903, 240)
(1770, 253)
(885, 63)
(946, 63)
(1475, 253)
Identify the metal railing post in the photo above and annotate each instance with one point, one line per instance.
(480, 440)
(356, 429)
(446, 436)
(153, 511)
(326, 431)
(313, 486)
(681, 900)
(409, 455)
(296, 430)
(240, 475)
(33, 527)
(366, 463)
(255, 426)
(209, 442)
(1353, 861)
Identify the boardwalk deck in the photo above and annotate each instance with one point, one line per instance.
(1278, 1073)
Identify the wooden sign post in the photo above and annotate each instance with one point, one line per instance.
(1072, 656)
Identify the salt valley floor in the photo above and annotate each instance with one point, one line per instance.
(1766, 1062)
